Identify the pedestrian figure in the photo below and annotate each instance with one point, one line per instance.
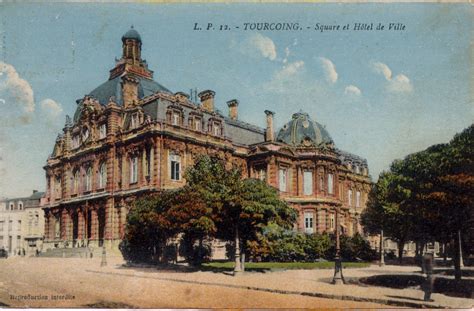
(427, 285)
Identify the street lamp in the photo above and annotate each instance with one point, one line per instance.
(338, 277)
(382, 260)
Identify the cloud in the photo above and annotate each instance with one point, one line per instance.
(399, 84)
(329, 69)
(289, 70)
(260, 45)
(352, 90)
(51, 108)
(15, 89)
(381, 68)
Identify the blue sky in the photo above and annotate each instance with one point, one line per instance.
(380, 94)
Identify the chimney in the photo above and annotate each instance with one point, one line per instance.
(207, 99)
(129, 91)
(269, 132)
(233, 104)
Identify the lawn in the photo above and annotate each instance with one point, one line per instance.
(227, 265)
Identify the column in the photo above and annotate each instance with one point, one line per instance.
(109, 220)
(80, 225)
(64, 224)
(94, 225)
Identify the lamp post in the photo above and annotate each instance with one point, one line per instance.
(382, 260)
(338, 277)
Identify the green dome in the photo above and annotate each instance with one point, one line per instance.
(132, 34)
(302, 131)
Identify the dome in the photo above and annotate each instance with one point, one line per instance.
(303, 131)
(132, 34)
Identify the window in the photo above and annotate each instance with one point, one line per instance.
(10, 224)
(175, 118)
(19, 226)
(88, 179)
(349, 197)
(197, 124)
(282, 179)
(57, 187)
(216, 129)
(308, 183)
(134, 121)
(330, 184)
(102, 175)
(102, 130)
(175, 162)
(133, 170)
(358, 199)
(357, 169)
(76, 141)
(148, 162)
(57, 228)
(262, 174)
(11, 206)
(331, 221)
(308, 222)
(1, 226)
(20, 206)
(75, 183)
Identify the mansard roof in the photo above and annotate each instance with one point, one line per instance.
(113, 88)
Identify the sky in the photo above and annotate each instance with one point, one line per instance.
(381, 94)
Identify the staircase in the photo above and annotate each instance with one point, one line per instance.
(74, 252)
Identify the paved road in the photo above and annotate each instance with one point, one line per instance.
(51, 282)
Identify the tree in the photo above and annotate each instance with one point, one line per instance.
(236, 209)
(385, 210)
(148, 228)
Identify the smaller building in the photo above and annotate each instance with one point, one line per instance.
(22, 225)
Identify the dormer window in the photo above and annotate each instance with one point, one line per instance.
(357, 169)
(134, 121)
(216, 128)
(76, 141)
(197, 124)
(102, 130)
(85, 134)
(175, 118)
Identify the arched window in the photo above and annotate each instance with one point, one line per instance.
(20, 206)
(75, 182)
(88, 179)
(102, 175)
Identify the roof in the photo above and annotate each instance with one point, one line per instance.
(302, 130)
(347, 157)
(132, 34)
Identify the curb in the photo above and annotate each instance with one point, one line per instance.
(391, 302)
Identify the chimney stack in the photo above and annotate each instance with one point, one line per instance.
(207, 99)
(269, 132)
(233, 104)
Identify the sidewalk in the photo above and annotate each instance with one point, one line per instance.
(315, 283)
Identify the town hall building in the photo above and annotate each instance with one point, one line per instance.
(131, 137)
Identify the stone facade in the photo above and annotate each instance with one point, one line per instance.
(21, 225)
(131, 136)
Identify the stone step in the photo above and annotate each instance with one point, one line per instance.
(75, 252)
